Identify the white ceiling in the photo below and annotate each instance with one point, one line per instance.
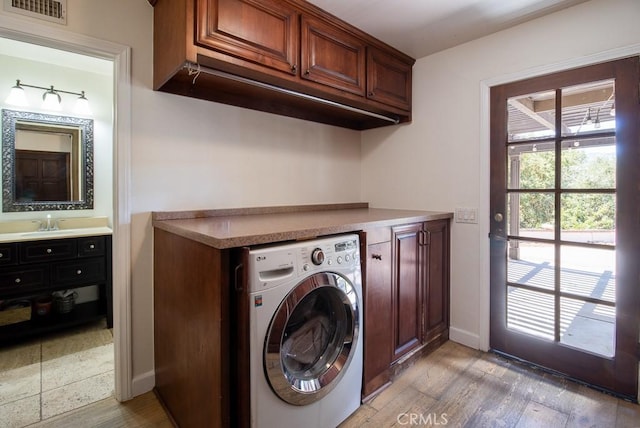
(422, 27)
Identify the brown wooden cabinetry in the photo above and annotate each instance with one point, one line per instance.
(332, 56)
(378, 334)
(191, 330)
(389, 79)
(437, 280)
(282, 56)
(263, 32)
(406, 297)
(408, 288)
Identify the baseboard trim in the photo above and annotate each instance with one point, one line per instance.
(465, 338)
(143, 383)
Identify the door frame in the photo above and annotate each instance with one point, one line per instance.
(482, 341)
(120, 55)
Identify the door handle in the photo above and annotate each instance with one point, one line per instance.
(497, 237)
(498, 217)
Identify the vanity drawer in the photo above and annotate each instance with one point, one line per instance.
(42, 251)
(91, 247)
(19, 279)
(79, 272)
(8, 254)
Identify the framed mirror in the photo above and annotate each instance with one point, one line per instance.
(47, 162)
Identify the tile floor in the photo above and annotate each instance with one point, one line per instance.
(45, 377)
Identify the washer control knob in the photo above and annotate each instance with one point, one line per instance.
(347, 258)
(339, 260)
(317, 256)
(306, 267)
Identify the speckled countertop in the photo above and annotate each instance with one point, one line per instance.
(251, 226)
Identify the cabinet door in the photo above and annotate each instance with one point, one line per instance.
(378, 334)
(437, 277)
(408, 284)
(264, 32)
(388, 79)
(332, 57)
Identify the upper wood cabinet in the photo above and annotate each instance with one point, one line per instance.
(389, 79)
(286, 57)
(264, 32)
(332, 57)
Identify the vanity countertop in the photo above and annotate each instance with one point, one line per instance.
(28, 230)
(251, 226)
(54, 234)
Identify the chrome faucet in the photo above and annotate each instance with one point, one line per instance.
(51, 225)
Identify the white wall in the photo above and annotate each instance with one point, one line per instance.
(439, 160)
(192, 154)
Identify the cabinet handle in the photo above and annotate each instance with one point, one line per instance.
(18, 281)
(92, 246)
(376, 256)
(294, 68)
(79, 272)
(308, 72)
(1, 255)
(371, 94)
(49, 251)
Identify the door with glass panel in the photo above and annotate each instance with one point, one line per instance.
(565, 215)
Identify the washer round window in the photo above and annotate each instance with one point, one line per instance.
(312, 338)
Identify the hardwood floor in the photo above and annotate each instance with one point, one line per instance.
(461, 387)
(453, 386)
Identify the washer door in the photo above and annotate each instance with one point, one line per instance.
(312, 338)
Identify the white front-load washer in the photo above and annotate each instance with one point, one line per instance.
(306, 343)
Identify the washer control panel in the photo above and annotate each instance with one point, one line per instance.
(330, 252)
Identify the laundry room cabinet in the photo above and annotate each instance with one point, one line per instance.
(406, 297)
(286, 57)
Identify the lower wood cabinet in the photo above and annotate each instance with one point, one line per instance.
(191, 331)
(378, 334)
(406, 297)
(407, 284)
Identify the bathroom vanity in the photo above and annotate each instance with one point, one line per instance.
(36, 263)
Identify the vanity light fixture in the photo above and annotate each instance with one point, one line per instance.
(51, 99)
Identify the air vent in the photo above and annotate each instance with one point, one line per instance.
(49, 10)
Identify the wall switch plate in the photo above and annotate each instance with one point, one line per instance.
(467, 215)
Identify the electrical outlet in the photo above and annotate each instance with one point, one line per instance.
(466, 215)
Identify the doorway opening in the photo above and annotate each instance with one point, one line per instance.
(110, 90)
